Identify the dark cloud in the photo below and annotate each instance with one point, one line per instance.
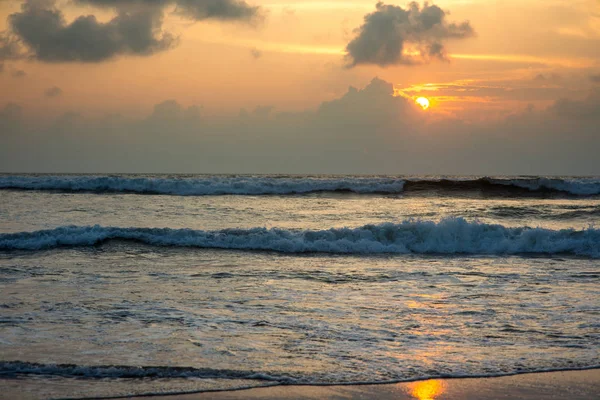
(54, 91)
(136, 29)
(9, 48)
(18, 73)
(171, 110)
(1, 68)
(390, 30)
(42, 28)
(587, 109)
(125, 3)
(217, 9)
(595, 78)
(233, 10)
(376, 101)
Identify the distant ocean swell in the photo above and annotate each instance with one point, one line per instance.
(268, 185)
(217, 185)
(449, 236)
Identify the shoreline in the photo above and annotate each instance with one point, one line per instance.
(579, 384)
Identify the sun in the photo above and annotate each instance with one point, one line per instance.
(423, 102)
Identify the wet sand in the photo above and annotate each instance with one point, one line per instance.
(571, 385)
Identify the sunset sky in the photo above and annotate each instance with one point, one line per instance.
(302, 86)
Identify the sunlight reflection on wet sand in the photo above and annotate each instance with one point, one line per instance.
(426, 390)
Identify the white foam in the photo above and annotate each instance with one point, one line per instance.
(449, 236)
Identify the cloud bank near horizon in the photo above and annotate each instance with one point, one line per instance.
(366, 130)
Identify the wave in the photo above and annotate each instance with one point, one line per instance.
(449, 236)
(214, 185)
(12, 368)
(576, 212)
(508, 186)
(272, 185)
(15, 368)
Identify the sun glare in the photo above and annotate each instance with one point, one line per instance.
(423, 102)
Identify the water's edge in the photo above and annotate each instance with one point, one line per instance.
(330, 384)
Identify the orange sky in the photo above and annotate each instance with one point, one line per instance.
(301, 47)
(303, 86)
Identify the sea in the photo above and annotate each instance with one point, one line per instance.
(121, 285)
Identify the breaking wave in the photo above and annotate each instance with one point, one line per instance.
(449, 236)
(214, 185)
(515, 186)
(15, 368)
(11, 368)
(273, 185)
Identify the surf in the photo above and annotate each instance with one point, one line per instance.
(448, 236)
(289, 185)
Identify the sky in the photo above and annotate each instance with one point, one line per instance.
(304, 86)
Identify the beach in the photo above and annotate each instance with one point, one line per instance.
(572, 385)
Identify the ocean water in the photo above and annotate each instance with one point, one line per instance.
(136, 284)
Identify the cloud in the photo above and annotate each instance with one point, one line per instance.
(217, 9)
(171, 111)
(391, 31)
(256, 54)
(374, 104)
(9, 48)
(42, 28)
(19, 73)
(367, 130)
(536, 90)
(1, 68)
(587, 109)
(54, 91)
(595, 78)
(136, 29)
(198, 10)
(552, 78)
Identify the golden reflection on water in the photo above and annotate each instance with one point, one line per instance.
(427, 390)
